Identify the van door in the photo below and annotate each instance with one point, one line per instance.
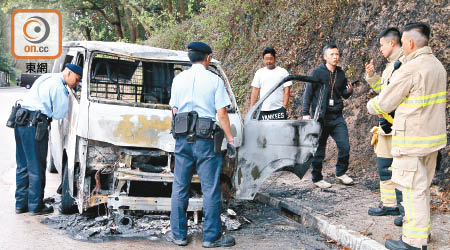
(68, 126)
(58, 127)
(274, 145)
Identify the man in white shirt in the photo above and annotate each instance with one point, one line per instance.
(274, 107)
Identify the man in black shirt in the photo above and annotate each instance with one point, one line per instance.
(333, 123)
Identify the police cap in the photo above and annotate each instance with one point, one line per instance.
(199, 46)
(75, 68)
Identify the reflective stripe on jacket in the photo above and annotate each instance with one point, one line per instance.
(417, 91)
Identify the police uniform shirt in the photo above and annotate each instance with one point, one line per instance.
(198, 89)
(48, 95)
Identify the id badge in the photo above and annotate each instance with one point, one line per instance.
(331, 102)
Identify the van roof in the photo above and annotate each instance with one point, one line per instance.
(133, 50)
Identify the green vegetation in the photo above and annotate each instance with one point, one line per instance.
(5, 55)
(113, 20)
(239, 30)
(131, 21)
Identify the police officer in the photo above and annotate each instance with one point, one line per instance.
(47, 99)
(199, 93)
(418, 94)
(390, 47)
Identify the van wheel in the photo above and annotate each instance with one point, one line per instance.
(28, 86)
(67, 205)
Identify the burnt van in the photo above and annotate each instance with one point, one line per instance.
(114, 146)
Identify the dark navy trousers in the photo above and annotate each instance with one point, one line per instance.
(31, 158)
(337, 128)
(198, 156)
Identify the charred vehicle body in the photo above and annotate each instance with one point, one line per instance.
(114, 146)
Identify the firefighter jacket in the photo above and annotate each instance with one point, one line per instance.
(417, 91)
(378, 83)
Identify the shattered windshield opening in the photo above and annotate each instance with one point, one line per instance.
(130, 80)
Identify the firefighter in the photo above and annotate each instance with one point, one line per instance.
(390, 47)
(418, 94)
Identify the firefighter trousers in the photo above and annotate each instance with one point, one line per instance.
(413, 176)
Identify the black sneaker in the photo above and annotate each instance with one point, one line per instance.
(21, 210)
(179, 242)
(382, 211)
(44, 210)
(223, 241)
(398, 221)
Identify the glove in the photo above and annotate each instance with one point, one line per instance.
(231, 151)
(374, 140)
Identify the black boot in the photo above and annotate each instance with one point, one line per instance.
(223, 241)
(382, 210)
(21, 210)
(43, 210)
(179, 242)
(400, 245)
(398, 221)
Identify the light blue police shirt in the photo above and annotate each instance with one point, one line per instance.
(198, 89)
(48, 95)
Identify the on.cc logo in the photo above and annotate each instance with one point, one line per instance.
(36, 33)
(36, 29)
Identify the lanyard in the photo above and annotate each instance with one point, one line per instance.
(332, 82)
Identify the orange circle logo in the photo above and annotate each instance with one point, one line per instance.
(36, 29)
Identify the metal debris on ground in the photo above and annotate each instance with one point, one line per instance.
(90, 228)
(231, 221)
(95, 225)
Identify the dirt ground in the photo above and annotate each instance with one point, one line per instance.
(348, 205)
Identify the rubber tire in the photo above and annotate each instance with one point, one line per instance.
(28, 86)
(67, 205)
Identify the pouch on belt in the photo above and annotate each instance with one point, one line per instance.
(22, 116)
(12, 116)
(204, 128)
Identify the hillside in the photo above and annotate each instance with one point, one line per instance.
(239, 30)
